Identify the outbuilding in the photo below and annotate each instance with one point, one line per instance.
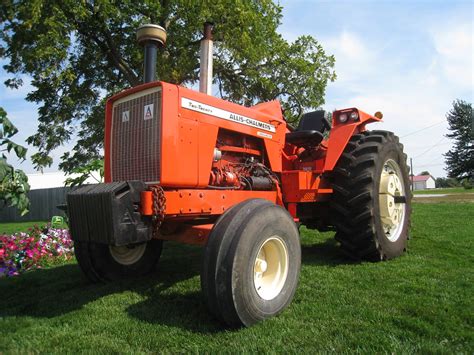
(423, 182)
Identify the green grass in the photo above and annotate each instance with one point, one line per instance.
(10, 228)
(450, 190)
(421, 302)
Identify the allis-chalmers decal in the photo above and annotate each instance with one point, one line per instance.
(226, 115)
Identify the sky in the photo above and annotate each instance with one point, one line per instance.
(408, 59)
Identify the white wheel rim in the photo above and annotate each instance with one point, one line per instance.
(271, 268)
(129, 254)
(392, 212)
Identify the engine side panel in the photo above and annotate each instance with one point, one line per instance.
(214, 116)
(175, 147)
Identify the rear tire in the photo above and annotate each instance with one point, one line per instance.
(101, 262)
(251, 263)
(371, 204)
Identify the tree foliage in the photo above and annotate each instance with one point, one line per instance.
(94, 170)
(460, 159)
(447, 182)
(13, 183)
(79, 52)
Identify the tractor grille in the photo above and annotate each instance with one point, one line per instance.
(136, 137)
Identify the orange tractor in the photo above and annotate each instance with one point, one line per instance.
(185, 166)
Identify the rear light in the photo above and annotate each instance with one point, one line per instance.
(343, 117)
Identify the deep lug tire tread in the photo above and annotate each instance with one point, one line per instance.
(355, 186)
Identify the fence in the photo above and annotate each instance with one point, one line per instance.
(43, 204)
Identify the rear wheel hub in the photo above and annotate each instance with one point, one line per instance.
(392, 205)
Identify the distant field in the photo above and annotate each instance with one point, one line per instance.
(456, 195)
(422, 302)
(451, 190)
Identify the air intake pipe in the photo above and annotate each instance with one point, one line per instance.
(151, 37)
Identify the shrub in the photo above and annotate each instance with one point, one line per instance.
(467, 184)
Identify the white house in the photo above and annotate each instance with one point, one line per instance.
(423, 182)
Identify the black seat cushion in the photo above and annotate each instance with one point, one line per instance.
(314, 121)
(304, 138)
(310, 129)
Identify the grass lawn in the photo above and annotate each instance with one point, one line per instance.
(10, 228)
(421, 302)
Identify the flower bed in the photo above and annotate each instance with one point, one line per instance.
(38, 247)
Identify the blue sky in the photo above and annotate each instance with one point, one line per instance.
(408, 59)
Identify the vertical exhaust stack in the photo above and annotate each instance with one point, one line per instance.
(151, 37)
(205, 74)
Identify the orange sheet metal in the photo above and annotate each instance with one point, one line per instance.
(190, 234)
(302, 186)
(188, 202)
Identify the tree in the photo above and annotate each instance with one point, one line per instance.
(460, 159)
(447, 182)
(79, 52)
(13, 183)
(425, 173)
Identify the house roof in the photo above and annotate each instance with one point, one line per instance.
(421, 178)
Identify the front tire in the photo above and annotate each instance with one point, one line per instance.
(251, 263)
(371, 203)
(101, 262)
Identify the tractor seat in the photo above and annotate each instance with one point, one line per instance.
(310, 130)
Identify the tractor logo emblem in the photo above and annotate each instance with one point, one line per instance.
(148, 112)
(127, 218)
(125, 116)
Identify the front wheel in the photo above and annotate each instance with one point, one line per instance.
(371, 202)
(251, 263)
(101, 262)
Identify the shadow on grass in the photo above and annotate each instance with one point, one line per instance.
(326, 253)
(54, 292)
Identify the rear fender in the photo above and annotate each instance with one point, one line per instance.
(342, 132)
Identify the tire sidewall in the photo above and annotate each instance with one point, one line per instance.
(220, 239)
(249, 306)
(109, 269)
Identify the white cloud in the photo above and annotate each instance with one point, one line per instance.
(354, 57)
(455, 48)
(411, 98)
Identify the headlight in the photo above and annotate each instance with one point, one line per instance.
(343, 117)
(354, 116)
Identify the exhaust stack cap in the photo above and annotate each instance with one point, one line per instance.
(151, 33)
(208, 27)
